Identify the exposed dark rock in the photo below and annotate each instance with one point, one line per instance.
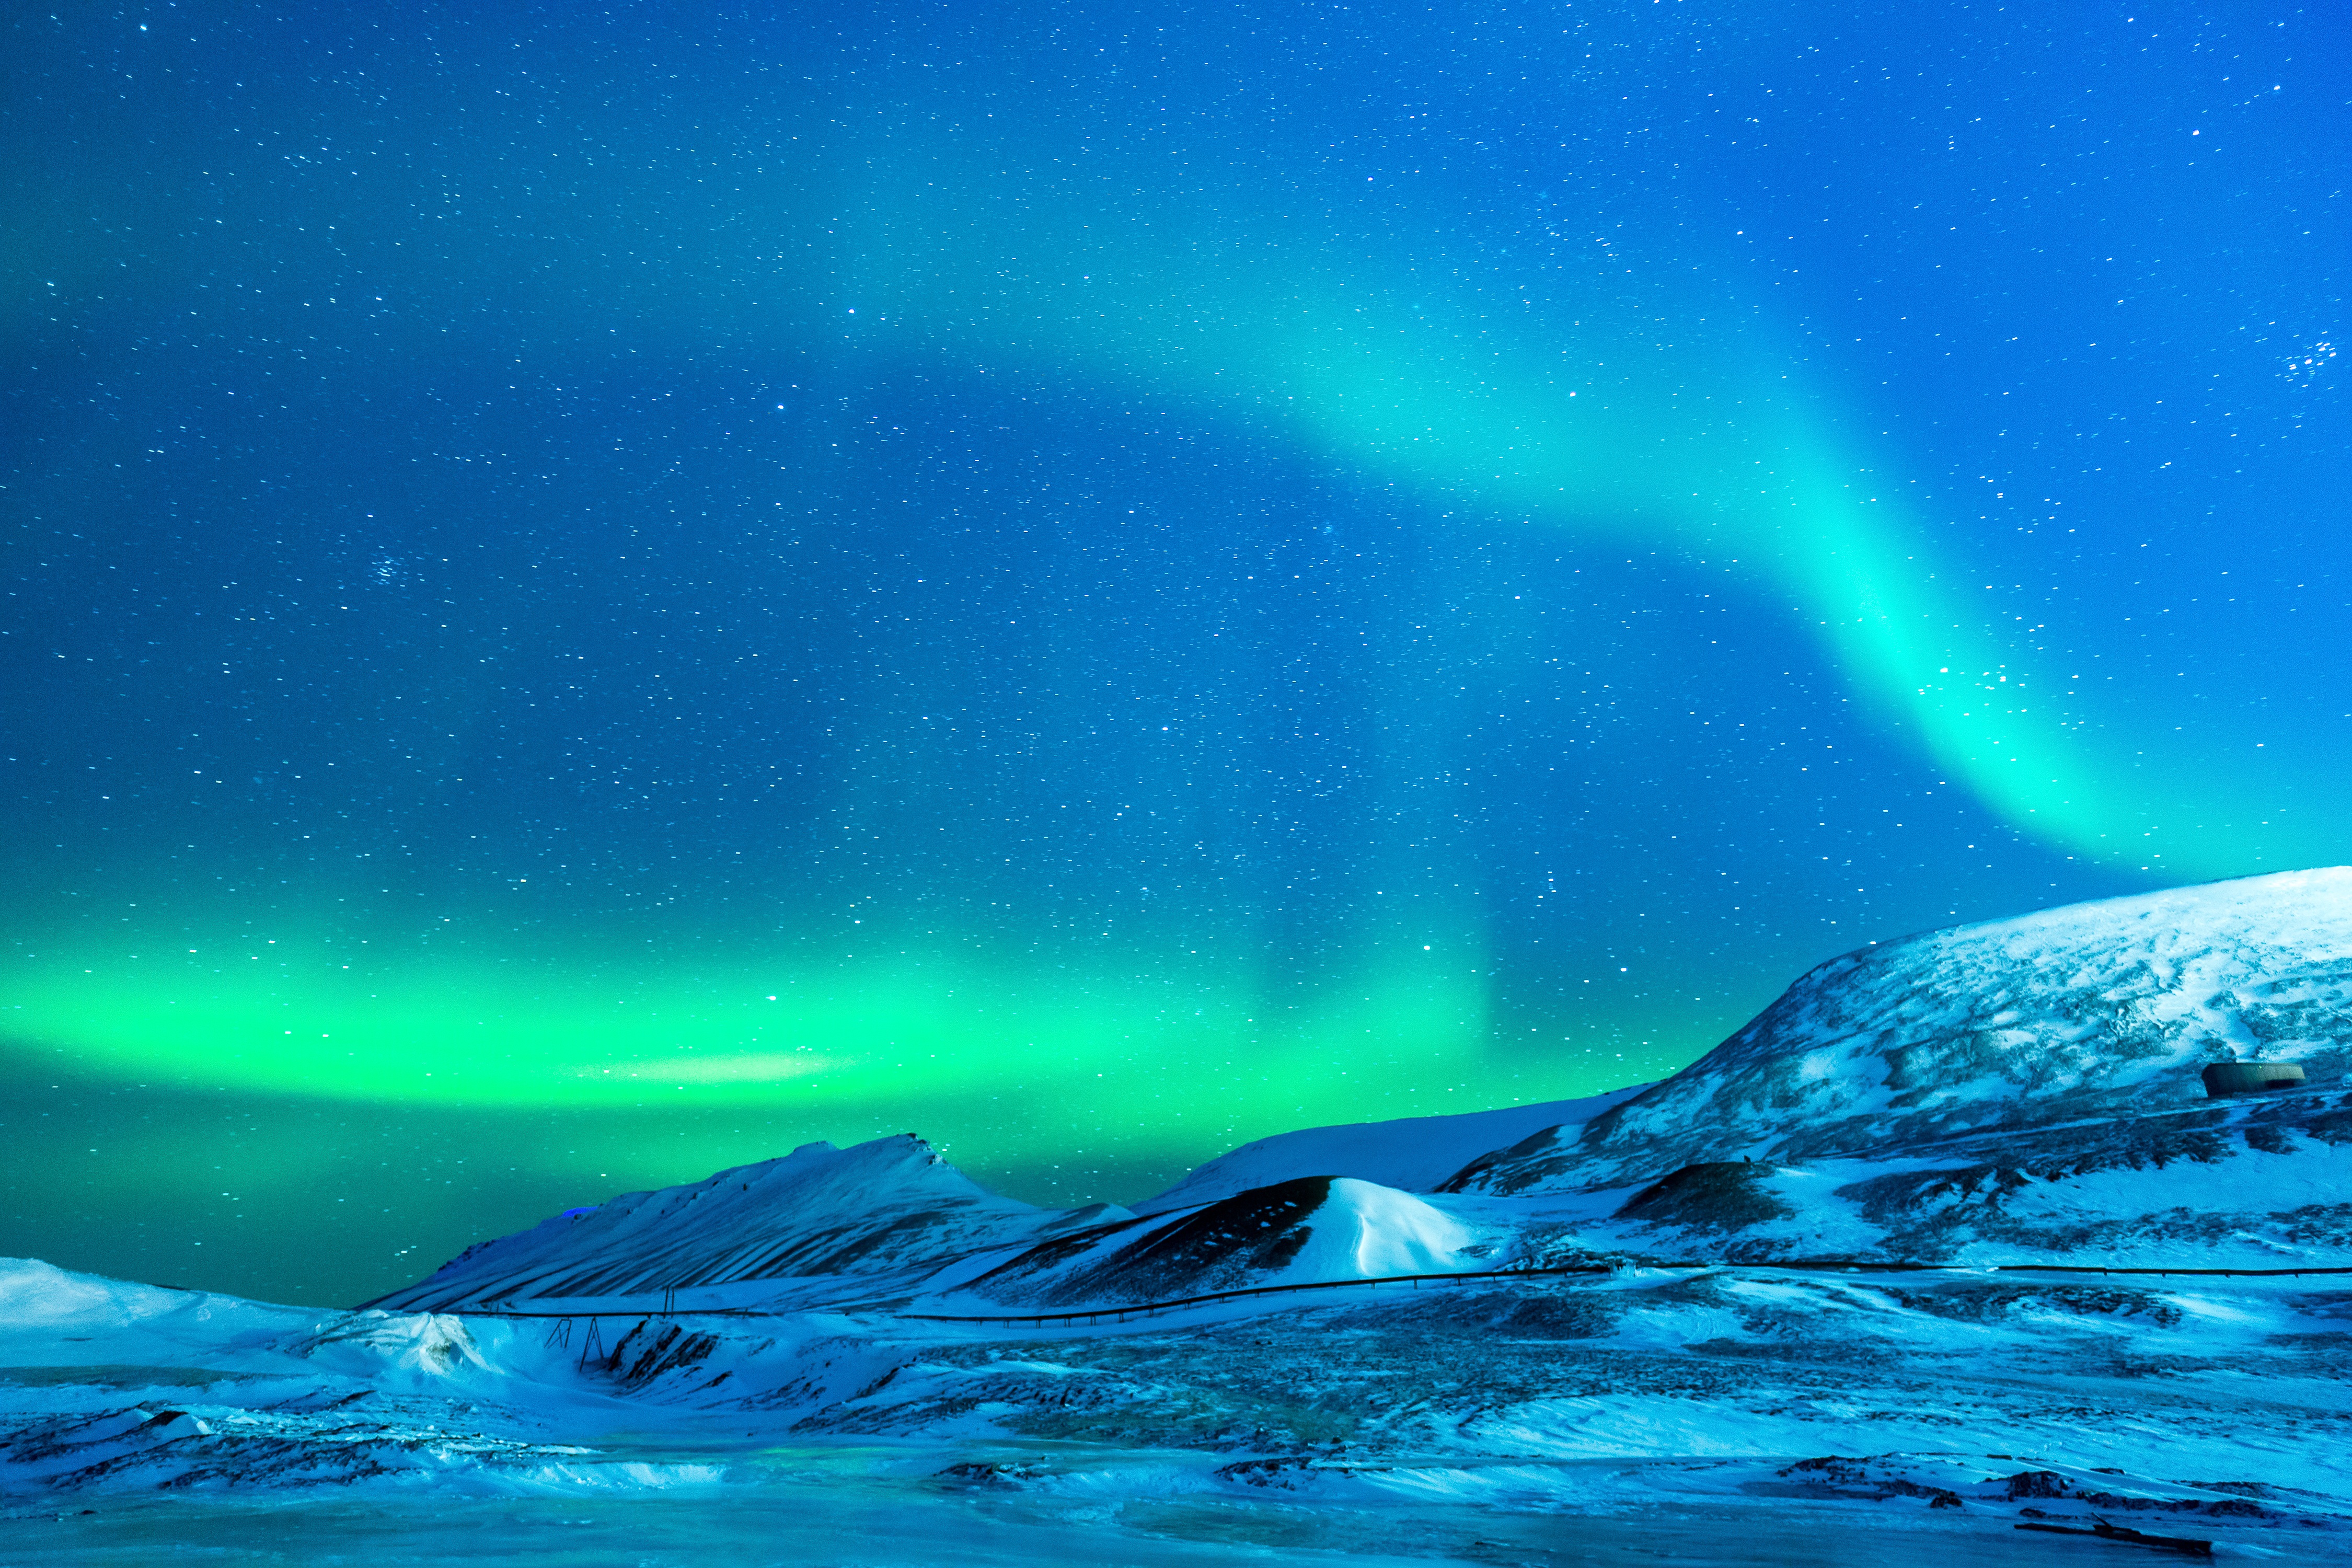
(1719, 1195)
(1220, 1246)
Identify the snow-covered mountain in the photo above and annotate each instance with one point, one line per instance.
(110, 1385)
(2014, 1091)
(822, 1221)
(2097, 1010)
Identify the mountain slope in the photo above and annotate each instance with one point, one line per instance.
(888, 1208)
(2095, 1010)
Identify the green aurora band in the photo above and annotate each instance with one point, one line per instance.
(1643, 401)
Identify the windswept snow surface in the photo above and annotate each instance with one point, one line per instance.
(1995, 1100)
(1708, 1413)
(110, 1387)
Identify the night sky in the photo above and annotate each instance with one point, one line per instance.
(597, 593)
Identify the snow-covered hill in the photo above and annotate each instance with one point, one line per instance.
(109, 1385)
(1309, 1228)
(2097, 1010)
(821, 1221)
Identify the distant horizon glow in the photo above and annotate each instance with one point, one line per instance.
(811, 1041)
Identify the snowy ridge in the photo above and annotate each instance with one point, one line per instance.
(885, 1208)
(113, 1385)
(2094, 1010)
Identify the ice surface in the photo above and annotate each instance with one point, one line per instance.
(824, 1515)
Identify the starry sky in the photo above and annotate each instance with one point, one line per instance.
(596, 594)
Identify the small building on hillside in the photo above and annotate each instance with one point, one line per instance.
(2223, 1078)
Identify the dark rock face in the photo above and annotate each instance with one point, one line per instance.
(1532, 1161)
(1720, 1195)
(2250, 1078)
(1214, 1248)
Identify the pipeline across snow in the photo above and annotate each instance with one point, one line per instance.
(1118, 1313)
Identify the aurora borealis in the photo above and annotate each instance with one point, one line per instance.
(596, 596)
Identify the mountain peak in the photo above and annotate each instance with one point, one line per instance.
(2091, 1009)
(818, 1212)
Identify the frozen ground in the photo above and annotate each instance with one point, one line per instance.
(1748, 1416)
(823, 1512)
